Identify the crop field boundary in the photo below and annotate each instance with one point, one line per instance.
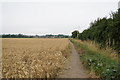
(66, 53)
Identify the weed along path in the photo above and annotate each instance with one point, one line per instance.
(74, 67)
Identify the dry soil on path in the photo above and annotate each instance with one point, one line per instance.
(74, 67)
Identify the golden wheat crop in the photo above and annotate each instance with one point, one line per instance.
(33, 58)
(0, 57)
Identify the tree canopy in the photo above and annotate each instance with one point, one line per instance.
(75, 34)
(105, 31)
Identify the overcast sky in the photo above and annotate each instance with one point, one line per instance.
(52, 16)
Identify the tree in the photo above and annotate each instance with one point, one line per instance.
(105, 31)
(75, 34)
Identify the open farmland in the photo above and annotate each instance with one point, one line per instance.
(33, 58)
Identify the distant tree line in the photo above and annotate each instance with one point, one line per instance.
(105, 31)
(57, 36)
(36, 36)
(15, 36)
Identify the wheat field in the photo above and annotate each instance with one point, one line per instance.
(33, 58)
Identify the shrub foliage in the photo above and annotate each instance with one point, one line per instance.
(105, 31)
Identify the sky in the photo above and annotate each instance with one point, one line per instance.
(51, 16)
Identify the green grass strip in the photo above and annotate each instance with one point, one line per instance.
(102, 65)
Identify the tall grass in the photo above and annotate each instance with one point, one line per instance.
(96, 60)
(105, 51)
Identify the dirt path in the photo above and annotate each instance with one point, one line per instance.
(74, 67)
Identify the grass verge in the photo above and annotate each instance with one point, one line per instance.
(104, 66)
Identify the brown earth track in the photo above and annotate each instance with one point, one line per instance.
(74, 67)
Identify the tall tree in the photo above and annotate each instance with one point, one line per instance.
(75, 34)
